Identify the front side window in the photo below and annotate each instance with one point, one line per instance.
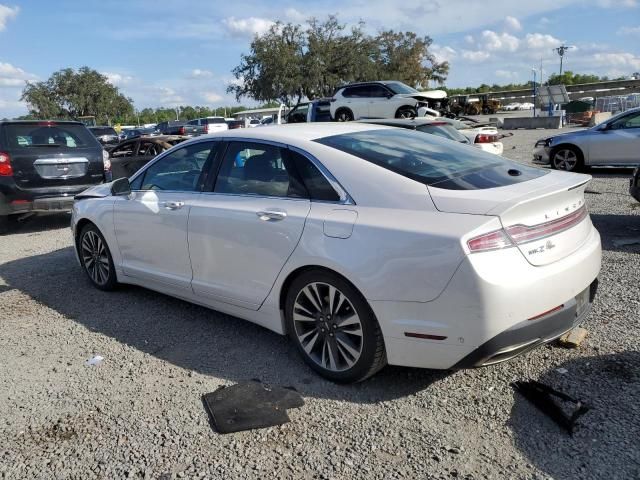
(257, 169)
(378, 91)
(399, 87)
(629, 121)
(181, 170)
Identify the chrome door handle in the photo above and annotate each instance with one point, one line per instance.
(173, 205)
(271, 215)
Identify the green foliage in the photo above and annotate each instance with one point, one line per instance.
(570, 78)
(290, 62)
(157, 115)
(71, 94)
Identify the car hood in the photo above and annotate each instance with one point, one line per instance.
(97, 191)
(577, 133)
(427, 95)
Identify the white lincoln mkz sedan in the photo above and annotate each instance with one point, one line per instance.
(366, 244)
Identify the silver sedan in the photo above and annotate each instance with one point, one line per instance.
(615, 142)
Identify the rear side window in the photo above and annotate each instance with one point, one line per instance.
(432, 160)
(315, 182)
(47, 135)
(257, 169)
(361, 91)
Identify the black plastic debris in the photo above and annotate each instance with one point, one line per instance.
(250, 405)
(564, 412)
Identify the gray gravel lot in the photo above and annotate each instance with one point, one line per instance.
(139, 414)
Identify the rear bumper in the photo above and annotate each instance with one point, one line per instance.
(529, 334)
(16, 201)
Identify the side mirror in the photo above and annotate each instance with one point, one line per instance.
(121, 187)
(389, 95)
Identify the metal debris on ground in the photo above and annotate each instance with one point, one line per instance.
(250, 405)
(573, 338)
(564, 413)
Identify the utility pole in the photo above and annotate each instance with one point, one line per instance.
(561, 50)
(535, 92)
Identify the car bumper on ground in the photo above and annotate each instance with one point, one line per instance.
(541, 155)
(496, 306)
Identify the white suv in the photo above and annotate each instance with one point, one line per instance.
(387, 99)
(211, 124)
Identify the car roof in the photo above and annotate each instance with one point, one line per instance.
(62, 122)
(297, 133)
(405, 122)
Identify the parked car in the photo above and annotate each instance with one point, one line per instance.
(105, 135)
(634, 187)
(315, 111)
(253, 122)
(387, 99)
(512, 107)
(233, 124)
(129, 156)
(136, 132)
(179, 127)
(43, 164)
(365, 244)
(211, 124)
(527, 106)
(425, 125)
(482, 135)
(614, 142)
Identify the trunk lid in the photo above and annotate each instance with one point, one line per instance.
(545, 217)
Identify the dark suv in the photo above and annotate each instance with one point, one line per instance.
(43, 164)
(106, 135)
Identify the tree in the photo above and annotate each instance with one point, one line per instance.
(290, 62)
(71, 94)
(570, 78)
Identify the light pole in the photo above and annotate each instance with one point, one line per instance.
(561, 50)
(535, 92)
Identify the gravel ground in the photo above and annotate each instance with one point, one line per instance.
(139, 414)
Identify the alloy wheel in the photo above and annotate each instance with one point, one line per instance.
(344, 116)
(327, 326)
(565, 160)
(406, 114)
(95, 257)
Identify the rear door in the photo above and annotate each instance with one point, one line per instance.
(53, 154)
(357, 100)
(244, 230)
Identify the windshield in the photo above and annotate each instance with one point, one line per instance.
(399, 87)
(431, 160)
(49, 135)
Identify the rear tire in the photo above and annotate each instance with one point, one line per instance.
(567, 158)
(344, 115)
(333, 327)
(96, 259)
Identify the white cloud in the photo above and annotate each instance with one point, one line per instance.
(6, 14)
(506, 74)
(541, 41)
(499, 42)
(512, 23)
(621, 59)
(629, 31)
(211, 97)
(246, 27)
(443, 53)
(618, 3)
(117, 79)
(475, 56)
(199, 73)
(11, 76)
(469, 39)
(295, 15)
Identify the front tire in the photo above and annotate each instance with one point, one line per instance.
(567, 158)
(333, 327)
(344, 115)
(96, 258)
(406, 113)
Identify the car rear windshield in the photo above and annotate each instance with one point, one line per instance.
(432, 160)
(49, 135)
(99, 131)
(214, 120)
(445, 131)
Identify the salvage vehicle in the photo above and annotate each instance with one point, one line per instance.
(614, 142)
(129, 156)
(179, 127)
(106, 135)
(366, 244)
(484, 136)
(425, 125)
(318, 110)
(211, 124)
(43, 164)
(130, 133)
(386, 99)
(474, 105)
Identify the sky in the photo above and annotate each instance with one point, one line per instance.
(163, 53)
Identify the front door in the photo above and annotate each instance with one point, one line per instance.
(151, 224)
(619, 144)
(244, 230)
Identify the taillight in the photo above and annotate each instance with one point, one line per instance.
(486, 138)
(489, 241)
(526, 233)
(6, 170)
(181, 131)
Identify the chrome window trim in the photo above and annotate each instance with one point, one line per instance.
(345, 198)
